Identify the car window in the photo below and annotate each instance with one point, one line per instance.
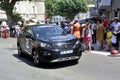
(48, 31)
(27, 30)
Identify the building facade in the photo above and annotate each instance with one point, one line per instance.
(108, 8)
(57, 19)
(91, 12)
(28, 9)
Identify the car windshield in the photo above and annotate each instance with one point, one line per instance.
(42, 32)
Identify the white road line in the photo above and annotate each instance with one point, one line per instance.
(101, 52)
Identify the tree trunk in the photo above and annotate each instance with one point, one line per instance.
(9, 18)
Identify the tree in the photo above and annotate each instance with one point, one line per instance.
(51, 7)
(67, 8)
(70, 8)
(8, 7)
(90, 1)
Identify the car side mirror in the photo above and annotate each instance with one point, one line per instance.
(27, 35)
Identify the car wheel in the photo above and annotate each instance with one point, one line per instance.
(36, 58)
(20, 52)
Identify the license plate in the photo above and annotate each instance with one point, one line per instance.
(66, 52)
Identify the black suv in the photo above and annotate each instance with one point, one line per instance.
(48, 43)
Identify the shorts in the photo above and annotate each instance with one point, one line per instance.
(114, 45)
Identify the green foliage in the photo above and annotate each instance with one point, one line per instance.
(67, 8)
(16, 17)
(52, 7)
(90, 1)
(8, 6)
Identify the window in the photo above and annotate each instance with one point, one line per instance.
(48, 32)
(28, 31)
(115, 14)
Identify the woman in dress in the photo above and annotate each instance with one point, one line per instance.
(87, 36)
(100, 33)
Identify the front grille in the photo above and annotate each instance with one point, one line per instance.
(64, 46)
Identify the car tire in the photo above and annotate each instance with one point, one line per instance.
(20, 52)
(36, 57)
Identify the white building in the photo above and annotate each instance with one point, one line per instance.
(108, 8)
(91, 12)
(29, 9)
(57, 19)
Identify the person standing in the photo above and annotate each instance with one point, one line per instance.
(83, 36)
(117, 30)
(17, 30)
(4, 32)
(75, 29)
(105, 24)
(0, 32)
(87, 36)
(94, 27)
(108, 38)
(100, 33)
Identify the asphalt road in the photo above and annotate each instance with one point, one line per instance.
(90, 67)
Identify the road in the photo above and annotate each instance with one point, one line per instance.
(90, 67)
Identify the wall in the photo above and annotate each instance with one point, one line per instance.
(29, 9)
(115, 6)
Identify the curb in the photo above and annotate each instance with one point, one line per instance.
(106, 54)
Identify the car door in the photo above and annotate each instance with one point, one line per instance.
(22, 38)
(28, 40)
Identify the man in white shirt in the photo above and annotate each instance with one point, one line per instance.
(117, 29)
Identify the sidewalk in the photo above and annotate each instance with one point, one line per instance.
(104, 52)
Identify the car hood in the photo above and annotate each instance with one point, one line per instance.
(57, 39)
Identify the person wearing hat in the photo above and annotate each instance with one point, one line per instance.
(117, 30)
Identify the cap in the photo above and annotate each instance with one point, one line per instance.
(83, 24)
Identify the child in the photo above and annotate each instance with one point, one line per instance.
(114, 40)
(108, 38)
(87, 37)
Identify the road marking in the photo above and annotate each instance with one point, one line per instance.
(101, 52)
(106, 54)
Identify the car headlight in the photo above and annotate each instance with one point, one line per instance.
(45, 45)
(77, 42)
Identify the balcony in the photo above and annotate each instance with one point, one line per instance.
(104, 4)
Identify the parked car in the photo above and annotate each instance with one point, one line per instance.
(48, 43)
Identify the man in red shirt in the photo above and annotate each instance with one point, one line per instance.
(105, 24)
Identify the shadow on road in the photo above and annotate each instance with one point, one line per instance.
(28, 60)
